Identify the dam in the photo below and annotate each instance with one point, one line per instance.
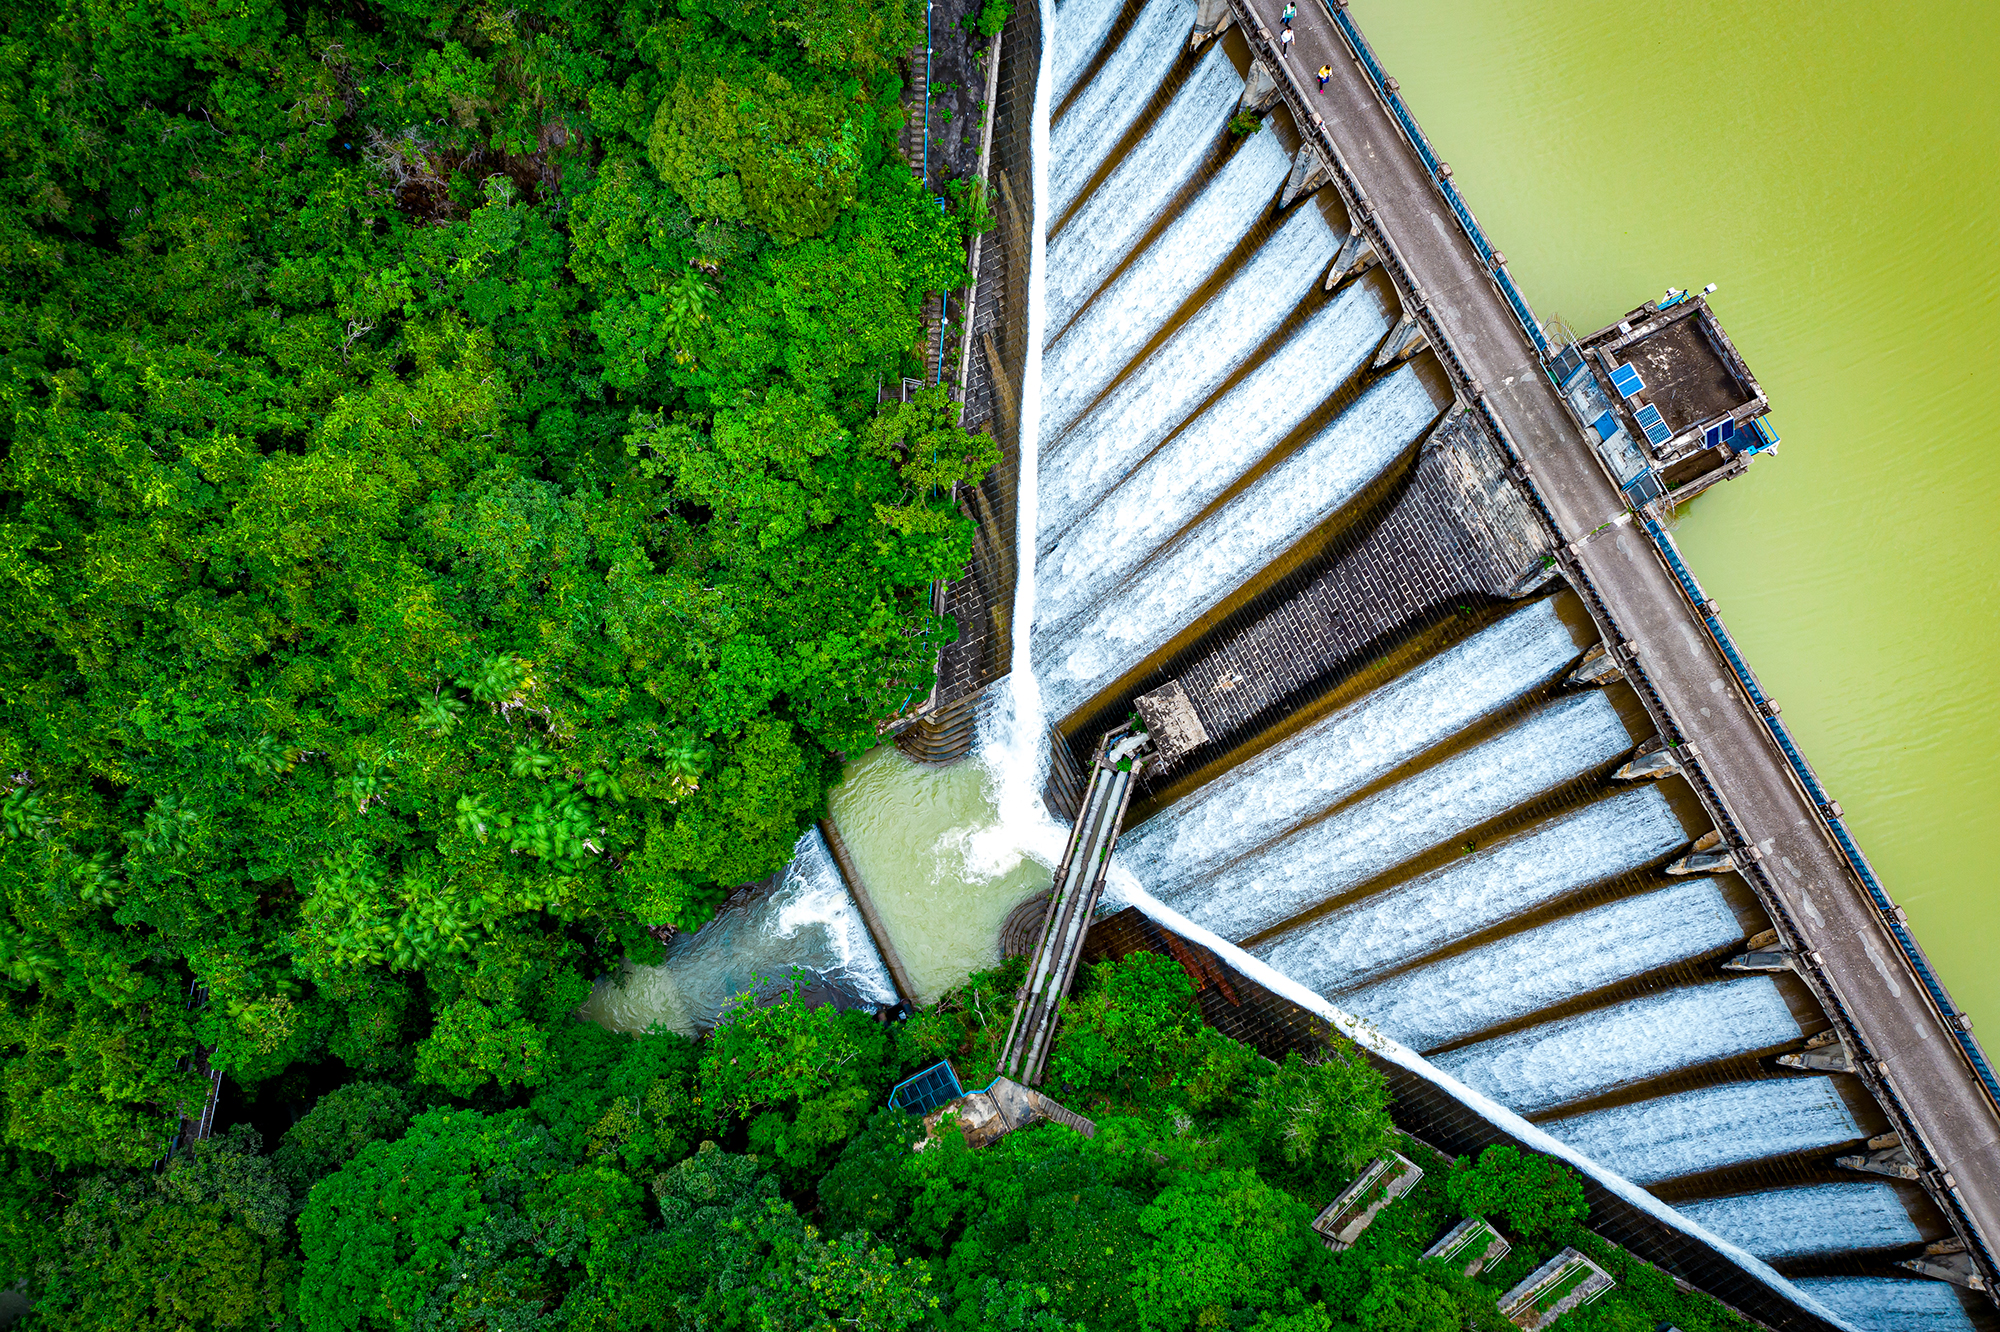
(1468, 753)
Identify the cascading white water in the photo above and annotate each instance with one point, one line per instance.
(1144, 510)
(1344, 850)
(1131, 199)
(1075, 37)
(1474, 991)
(1592, 1053)
(1088, 354)
(1097, 120)
(1264, 796)
(809, 921)
(1814, 1218)
(1474, 894)
(1190, 364)
(1013, 744)
(1889, 1304)
(1208, 562)
(1711, 1127)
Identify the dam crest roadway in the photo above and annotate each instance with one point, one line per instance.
(1470, 753)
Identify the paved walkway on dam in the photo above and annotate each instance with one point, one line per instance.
(1862, 960)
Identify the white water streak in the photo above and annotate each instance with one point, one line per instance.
(1098, 119)
(1712, 1127)
(1511, 978)
(1339, 754)
(1322, 860)
(1013, 733)
(1189, 365)
(1817, 1218)
(1599, 1051)
(1076, 36)
(808, 920)
(1141, 186)
(1085, 357)
(1345, 947)
(1889, 1304)
(1208, 562)
(1149, 505)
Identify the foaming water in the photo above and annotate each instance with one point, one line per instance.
(1097, 120)
(1128, 314)
(1324, 859)
(1817, 1218)
(1597, 1052)
(1076, 35)
(1712, 1127)
(1148, 506)
(1345, 750)
(943, 874)
(1887, 1304)
(1478, 892)
(1139, 188)
(808, 921)
(1504, 1117)
(1473, 991)
(1012, 746)
(1184, 369)
(1207, 563)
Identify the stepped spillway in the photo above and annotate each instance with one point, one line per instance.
(1258, 484)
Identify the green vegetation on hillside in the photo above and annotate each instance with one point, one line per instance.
(445, 521)
(757, 1181)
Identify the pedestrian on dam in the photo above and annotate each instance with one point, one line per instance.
(1285, 42)
(1291, 12)
(1325, 73)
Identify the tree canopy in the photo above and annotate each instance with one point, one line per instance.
(445, 523)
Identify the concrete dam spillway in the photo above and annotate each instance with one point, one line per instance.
(1262, 484)
(1471, 757)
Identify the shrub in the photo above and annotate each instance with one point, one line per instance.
(1538, 1196)
(1330, 1113)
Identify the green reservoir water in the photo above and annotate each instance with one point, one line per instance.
(1830, 166)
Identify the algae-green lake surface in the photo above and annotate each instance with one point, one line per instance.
(1830, 167)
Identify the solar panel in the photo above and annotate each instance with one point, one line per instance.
(1627, 380)
(1651, 422)
(1720, 433)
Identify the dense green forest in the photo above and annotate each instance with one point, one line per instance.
(445, 523)
(756, 1181)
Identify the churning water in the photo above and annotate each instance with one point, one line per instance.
(808, 922)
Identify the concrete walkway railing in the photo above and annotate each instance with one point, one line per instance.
(1392, 99)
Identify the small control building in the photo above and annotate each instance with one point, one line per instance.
(1667, 400)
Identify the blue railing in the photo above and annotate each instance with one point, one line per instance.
(1836, 823)
(1393, 100)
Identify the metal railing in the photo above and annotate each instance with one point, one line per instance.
(1835, 823)
(1440, 174)
(1386, 90)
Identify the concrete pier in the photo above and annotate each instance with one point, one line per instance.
(1907, 1045)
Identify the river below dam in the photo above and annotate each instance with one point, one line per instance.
(1819, 163)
